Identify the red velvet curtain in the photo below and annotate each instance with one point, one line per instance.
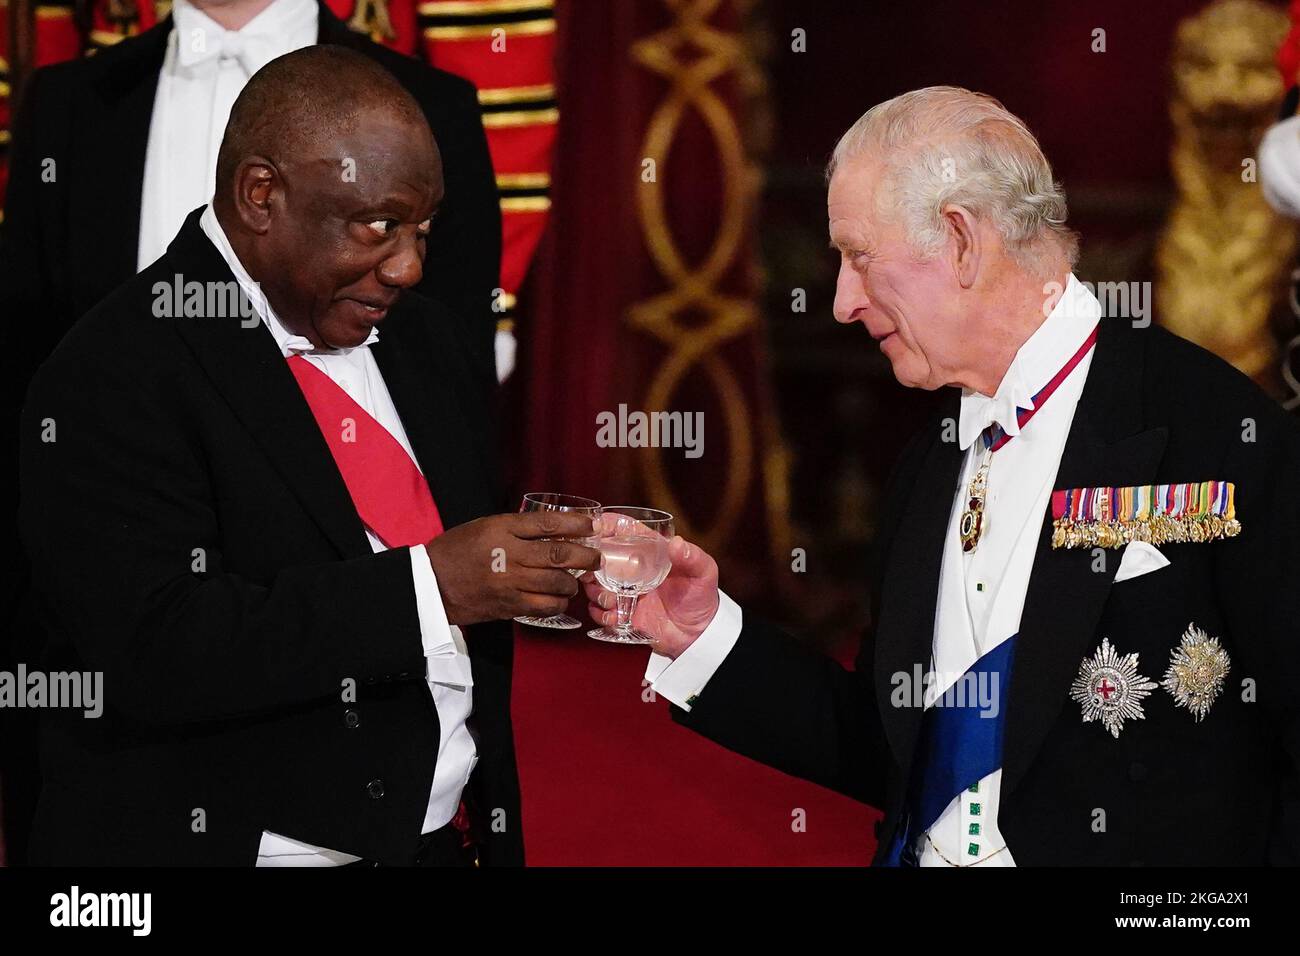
(623, 69)
(591, 263)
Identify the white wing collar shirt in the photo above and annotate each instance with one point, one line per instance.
(203, 72)
(981, 593)
(447, 662)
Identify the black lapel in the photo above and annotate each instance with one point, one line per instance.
(904, 633)
(248, 370)
(429, 395)
(105, 232)
(1108, 445)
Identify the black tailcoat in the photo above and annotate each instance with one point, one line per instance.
(1155, 409)
(186, 438)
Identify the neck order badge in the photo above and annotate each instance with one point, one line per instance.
(994, 437)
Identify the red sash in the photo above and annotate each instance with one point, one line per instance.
(387, 489)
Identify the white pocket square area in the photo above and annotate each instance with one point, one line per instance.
(1139, 558)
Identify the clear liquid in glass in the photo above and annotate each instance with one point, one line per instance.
(633, 563)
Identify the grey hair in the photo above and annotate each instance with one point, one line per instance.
(945, 144)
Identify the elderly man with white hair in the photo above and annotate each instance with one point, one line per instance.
(1084, 645)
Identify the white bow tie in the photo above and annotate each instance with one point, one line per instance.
(978, 411)
(197, 45)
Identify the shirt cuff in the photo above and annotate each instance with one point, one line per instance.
(446, 658)
(683, 679)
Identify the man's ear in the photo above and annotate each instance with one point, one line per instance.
(967, 246)
(257, 182)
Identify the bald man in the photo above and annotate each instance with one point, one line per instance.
(256, 491)
(110, 153)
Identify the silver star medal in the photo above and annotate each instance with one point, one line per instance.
(1197, 667)
(1110, 689)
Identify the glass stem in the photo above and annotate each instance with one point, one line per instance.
(625, 604)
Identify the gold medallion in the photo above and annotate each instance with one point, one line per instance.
(1197, 668)
(971, 525)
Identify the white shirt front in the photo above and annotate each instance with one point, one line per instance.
(982, 593)
(447, 662)
(204, 70)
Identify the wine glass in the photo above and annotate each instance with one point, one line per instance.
(633, 543)
(549, 501)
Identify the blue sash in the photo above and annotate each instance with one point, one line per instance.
(960, 744)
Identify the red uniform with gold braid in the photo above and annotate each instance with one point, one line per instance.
(505, 47)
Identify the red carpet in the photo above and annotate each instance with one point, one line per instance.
(610, 780)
